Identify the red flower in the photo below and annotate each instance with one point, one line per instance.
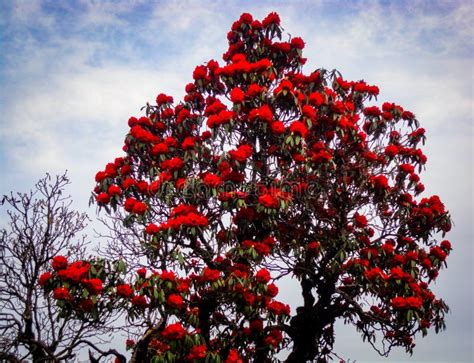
(172, 164)
(129, 204)
(139, 301)
(114, 190)
(268, 201)
(212, 180)
(44, 278)
(379, 181)
(391, 150)
(100, 176)
(254, 90)
(197, 352)
(263, 276)
(86, 305)
(233, 357)
(141, 272)
(271, 19)
(316, 99)
(272, 290)
(94, 286)
(313, 248)
(152, 229)
(438, 253)
(300, 128)
(61, 293)
(278, 308)
(277, 127)
(75, 271)
(210, 275)
(237, 95)
(274, 338)
(162, 99)
(242, 153)
(129, 344)
(59, 263)
(139, 208)
(175, 301)
(360, 220)
(102, 198)
(200, 72)
(297, 43)
(173, 332)
(446, 245)
(124, 290)
(168, 276)
(160, 148)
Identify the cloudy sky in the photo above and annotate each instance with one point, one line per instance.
(73, 72)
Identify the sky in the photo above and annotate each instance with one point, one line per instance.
(73, 72)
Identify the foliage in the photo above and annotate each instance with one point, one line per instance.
(264, 172)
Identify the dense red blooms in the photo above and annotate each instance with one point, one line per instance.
(124, 290)
(59, 263)
(278, 127)
(61, 293)
(44, 278)
(261, 168)
(175, 301)
(174, 332)
(268, 201)
(263, 276)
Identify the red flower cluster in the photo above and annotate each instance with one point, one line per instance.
(173, 332)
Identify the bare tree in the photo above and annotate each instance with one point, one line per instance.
(40, 225)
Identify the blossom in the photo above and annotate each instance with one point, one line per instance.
(274, 338)
(233, 357)
(278, 308)
(212, 180)
(114, 190)
(360, 220)
(102, 198)
(59, 263)
(297, 127)
(297, 43)
(94, 286)
(139, 208)
(172, 164)
(270, 19)
(75, 271)
(242, 153)
(175, 301)
(391, 150)
(61, 293)
(162, 99)
(44, 278)
(139, 301)
(124, 290)
(210, 274)
(268, 201)
(152, 229)
(173, 332)
(237, 95)
(277, 127)
(263, 276)
(380, 181)
(197, 352)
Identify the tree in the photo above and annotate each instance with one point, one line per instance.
(263, 172)
(41, 226)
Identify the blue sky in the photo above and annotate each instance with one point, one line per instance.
(73, 72)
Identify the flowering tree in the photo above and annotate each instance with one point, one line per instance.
(41, 226)
(264, 172)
